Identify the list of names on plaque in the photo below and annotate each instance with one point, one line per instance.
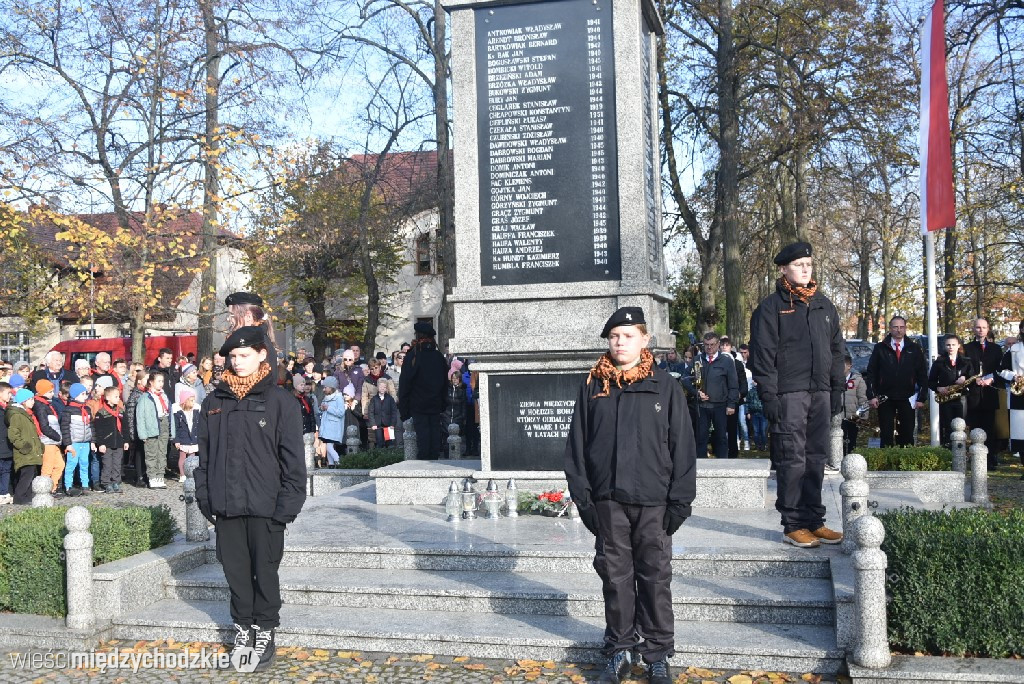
(548, 202)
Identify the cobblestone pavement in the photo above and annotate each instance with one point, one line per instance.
(314, 665)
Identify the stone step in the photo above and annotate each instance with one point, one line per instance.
(784, 561)
(712, 598)
(789, 648)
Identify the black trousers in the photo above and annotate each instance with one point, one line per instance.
(947, 412)
(898, 415)
(250, 549)
(708, 415)
(800, 442)
(733, 424)
(22, 490)
(850, 430)
(428, 435)
(634, 561)
(980, 418)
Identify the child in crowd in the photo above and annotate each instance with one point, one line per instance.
(186, 428)
(136, 451)
(60, 401)
(383, 413)
(758, 421)
(454, 405)
(109, 436)
(310, 413)
(25, 442)
(76, 433)
(154, 428)
(6, 450)
(332, 419)
(48, 419)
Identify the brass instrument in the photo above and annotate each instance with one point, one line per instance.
(956, 391)
(698, 376)
(861, 414)
(1017, 386)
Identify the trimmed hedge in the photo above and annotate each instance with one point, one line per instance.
(32, 569)
(368, 460)
(908, 458)
(956, 581)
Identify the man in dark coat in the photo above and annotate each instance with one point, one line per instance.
(251, 482)
(631, 467)
(898, 370)
(717, 398)
(421, 394)
(983, 401)
(796, 357)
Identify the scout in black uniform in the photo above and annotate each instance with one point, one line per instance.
(796, 357)
(631, 467)
(251, 482)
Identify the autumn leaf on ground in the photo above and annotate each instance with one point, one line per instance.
(436, 666)
(422, 658)
(345, 654)
(527, 663)
(740, 679)
(701, 672)
(475, 666)
(461, 659)
(810, 677)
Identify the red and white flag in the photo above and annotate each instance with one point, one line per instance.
(938, 204)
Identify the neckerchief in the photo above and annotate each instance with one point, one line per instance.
(32, 415)
(305, 404)
(117, 416)
(82, 409)
(606, 372)
(802, 293)
(242, 386)
(42, 400)
(163, 401)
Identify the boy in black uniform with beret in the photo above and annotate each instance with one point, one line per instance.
(796, 357)
(251, 482)
(630, 463)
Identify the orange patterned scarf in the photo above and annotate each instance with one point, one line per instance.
(801, 293)
(605, 371)
(242, 386)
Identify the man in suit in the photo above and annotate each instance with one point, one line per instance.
(897, 370)
(983, 401)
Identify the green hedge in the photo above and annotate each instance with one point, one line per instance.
(908, 458)
(32, 570)
(373, 458)
(956, 581)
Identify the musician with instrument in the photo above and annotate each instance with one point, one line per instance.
(1012, 372)
(951, 377)
(983, 399)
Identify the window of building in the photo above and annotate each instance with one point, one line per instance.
(14, 346)
(424, 262)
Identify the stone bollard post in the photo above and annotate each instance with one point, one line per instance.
(871, 645)
(78, 560)
(958, 443)
(854, 491)
(454, 442)
(409, 439)
(309, 455)
(196, 526)
(979, 468)
(42, 486)
(352, 442)
(835, 444)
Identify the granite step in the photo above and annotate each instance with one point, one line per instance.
(790, 648)
(777, 600)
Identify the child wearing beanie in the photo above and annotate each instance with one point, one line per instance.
(24, 437)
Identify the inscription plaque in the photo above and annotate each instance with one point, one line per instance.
(546, 125)
(530, 418)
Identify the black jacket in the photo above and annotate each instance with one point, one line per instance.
(455, 404)
(634, 446)
(719, 378)
(943, 374)
(6, 450)
(105, 430)
(897, 380)
(251, 455)
(383, 412)
(989, 361)
(424, 377)
(182, 435)
(796, 347)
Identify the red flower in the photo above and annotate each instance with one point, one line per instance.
(554, 497)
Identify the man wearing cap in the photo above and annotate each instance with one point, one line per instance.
(421, 393)
(796, 357)
(630, 463)
(251, 483)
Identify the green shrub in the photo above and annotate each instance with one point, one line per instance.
(374, 458)
(32, 570)
(956, 581)
(908, 458)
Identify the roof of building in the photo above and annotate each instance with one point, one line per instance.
(407, 179)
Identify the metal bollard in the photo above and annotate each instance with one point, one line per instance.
(454, 442)
(958, 443)
(854, 491)
(409, 438)
(835, 444)
(42, 486)
(78, 560)
(352, 442)
(979, 468)
(196, 527)
(871, 646)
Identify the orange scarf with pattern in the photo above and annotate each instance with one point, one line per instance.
(606, 372)
(802, 293)
(242, 386)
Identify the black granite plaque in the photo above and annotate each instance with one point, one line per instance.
(530, 417)
(546, 123)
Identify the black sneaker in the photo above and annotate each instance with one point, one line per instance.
(75, 491)
(616, 668)
(96, 487)
(659, 673)
(244, 638)
(265, 648)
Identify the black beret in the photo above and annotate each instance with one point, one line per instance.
(244, 298)
(626, 315)
(425, 329)
(381, 355)
(247, 336)
(797, 250)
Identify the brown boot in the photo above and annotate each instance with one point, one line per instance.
(801, 538)
(827, 536)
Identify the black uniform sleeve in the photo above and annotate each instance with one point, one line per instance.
(405, 386)
(291, 459)
(871, 372)
(933, 375)
(575, 451)
(683, 486)
(201, 472)
(838, 376)
(764, 343)
(921, 377)
(732, 384)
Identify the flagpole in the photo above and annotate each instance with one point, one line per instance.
(933, 330)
